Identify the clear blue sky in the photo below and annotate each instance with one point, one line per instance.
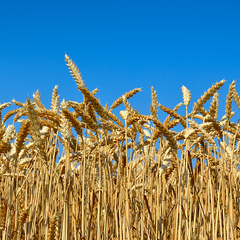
(117, 46)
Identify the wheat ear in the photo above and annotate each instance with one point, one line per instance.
(74, 71)
(213, 110)
(166, 133)
(206, 96)
(76, 124)
(153, 107)
(173, 113)
(3, 212)
(2, 106)
(228, 106)
(128, 95)
(236, 98)
(186, 100)
(55, 100)
(22, 219)
(34, 128)
(23, 132)
(37, 99)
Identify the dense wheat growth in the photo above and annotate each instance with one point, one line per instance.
(77, 171)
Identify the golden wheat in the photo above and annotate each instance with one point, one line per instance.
(78, 171)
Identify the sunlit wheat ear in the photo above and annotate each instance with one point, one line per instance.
(37, 99)
(69, 116)
(34, 128)
(186, 95)
(74, 71)
(153, 107)
(236, 98)
(22, 134)
(124, 114)
(127, 104)
(228, 106)
(2, 106)
(66, 131)
(94, 91)
(206, 96)
(168, 118)
(166, 133)
(128, 95)
(173, 114)
(33, 118)
(213, 110)
(204, 133)
(7, 137)
(55, 100)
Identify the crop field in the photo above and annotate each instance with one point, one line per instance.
(78, 171)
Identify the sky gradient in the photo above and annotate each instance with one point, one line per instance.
(118, 46)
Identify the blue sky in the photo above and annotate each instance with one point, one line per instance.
(117, 46)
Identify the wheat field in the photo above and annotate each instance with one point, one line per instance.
(77, 171)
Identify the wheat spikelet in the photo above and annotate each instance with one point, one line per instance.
(7, 136)
(228, 106)
(48, 114)
(74, 71)
(10, 114)
(34, 128)
(89, 97)
(3, 212)
(213, 110)
(153, 106)
(186, 95)
(20, 198)
(236, 98)
(4, 105)
(18, 103)
(168, 118)
(95, 102)
(137, 117)
(114, 118)
(55, 100)
(37, 99)
(53, 222)
(4, 146)
(160, 127)
(206, 96)
(91, 112)
(22, 219)
(203, 111)
(22, 134)
(33, 118)
(86, 118)
(77, 125)
(94, 91)
(50, 124)
(128, 95)
(20, 113)
(65, 128)
(203, 132)
(174, 114)
(171, 124)
(127, 105)
(108, 125)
